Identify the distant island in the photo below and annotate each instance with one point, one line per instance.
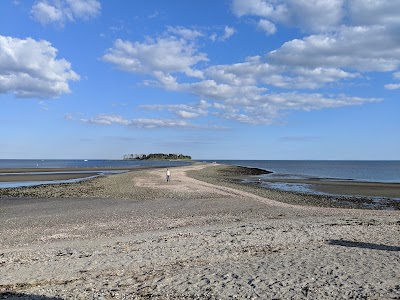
(156, 156)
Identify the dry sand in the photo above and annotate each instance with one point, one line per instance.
(135, 236)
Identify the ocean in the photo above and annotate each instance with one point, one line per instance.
(364, 171)
(358, 171)
(83, 163)
(103, 167)
(283, 171)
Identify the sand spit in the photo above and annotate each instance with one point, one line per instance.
(133, 236)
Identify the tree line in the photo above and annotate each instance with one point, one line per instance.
(155, 156)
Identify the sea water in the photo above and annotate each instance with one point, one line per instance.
(326, 170)
(364, 171)
(84, 163)
(103, 167)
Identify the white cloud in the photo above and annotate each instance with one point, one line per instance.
(161, 123)
(210, 89)
(213, 37)
(270, 107)
(185, 111)
(255, 71)
(240, 91)
(29, 68)
(392, 86)
(186, 114)
(61, 11)
(165, 55)
(103, 119)
(228, 32)
(358, 48)
(345, 44)
(321, 15)
(84, 9)
(68, 116)
(267, 26)
(187, 34)
(46, 13)
(372, 12)
(259, 8)
(315, 15)
(312, 15)
(304, 78)
(146, 123)
(354, 35)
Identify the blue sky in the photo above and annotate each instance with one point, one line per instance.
(238, 79)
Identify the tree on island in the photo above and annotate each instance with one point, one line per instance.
(155, 156)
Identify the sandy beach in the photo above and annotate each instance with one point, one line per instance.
(200, 236)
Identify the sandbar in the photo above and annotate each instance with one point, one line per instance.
(135, 236)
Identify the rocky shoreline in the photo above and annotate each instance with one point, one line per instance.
(233, 176)
(227, 175)
(136, 236)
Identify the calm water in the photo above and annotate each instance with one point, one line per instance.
(80, 163)
(372, 171)
(362, 171)
(55, 164)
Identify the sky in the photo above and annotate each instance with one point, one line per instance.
(213, 79)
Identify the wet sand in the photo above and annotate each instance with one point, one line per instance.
(335, 187)
(135, 236)
(44, 176)
(58, 174)
(373, 189)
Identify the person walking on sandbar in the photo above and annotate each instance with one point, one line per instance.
(168, 175)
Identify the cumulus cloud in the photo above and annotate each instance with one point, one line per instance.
(353, 35)
(184, 32)
(146, 123)
(342, 41)
(371, 48)
(163, 55)
(29, 68)
(384, 12)
(256, 71)
(313, 15)
(260, 8)
(392, 86)
(228, 32)
(61, 11)
(265, 108)
(185, 111)
(320, 15)
(103, 119)
(267, 26)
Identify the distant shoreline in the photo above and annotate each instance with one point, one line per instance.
(336, 193)
(40, 176)
(137, 236)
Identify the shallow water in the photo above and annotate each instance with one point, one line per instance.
(101, 165)
(367, 171)
(332, 171)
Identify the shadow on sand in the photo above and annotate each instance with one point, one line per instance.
(22, 296)
(362, 245)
